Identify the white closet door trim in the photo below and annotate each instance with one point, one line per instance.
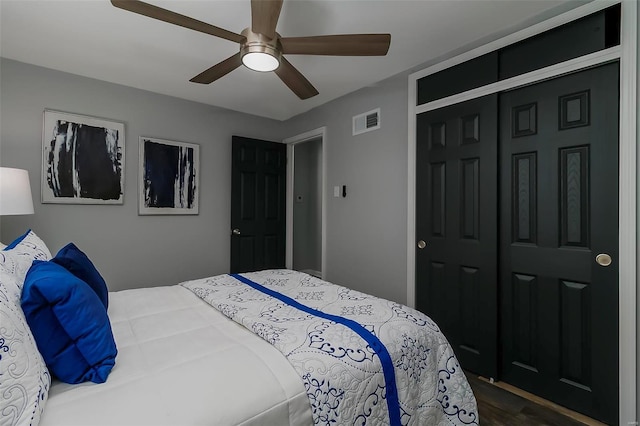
(628, 190)
(411, 197)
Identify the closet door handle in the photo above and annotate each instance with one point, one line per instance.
(603, 259)
(421, 244)
(236, 231)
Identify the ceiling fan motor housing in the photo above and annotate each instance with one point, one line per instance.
(259, 43)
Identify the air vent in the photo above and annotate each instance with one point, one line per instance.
(366, 122)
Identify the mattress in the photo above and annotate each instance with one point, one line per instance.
(181, 362)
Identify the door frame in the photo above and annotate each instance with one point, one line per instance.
(629, 161)
(291, 142)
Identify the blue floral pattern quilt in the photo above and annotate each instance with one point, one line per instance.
(363, 360)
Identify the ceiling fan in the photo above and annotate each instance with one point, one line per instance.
(262, 48)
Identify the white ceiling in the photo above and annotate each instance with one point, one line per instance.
(93, 38)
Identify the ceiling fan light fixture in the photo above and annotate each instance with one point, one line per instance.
(260, 53)
(260, 61)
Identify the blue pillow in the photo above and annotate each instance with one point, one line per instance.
(69, 323)
(15, 242)
(75, 261)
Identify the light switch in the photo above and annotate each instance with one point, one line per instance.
(336, 191)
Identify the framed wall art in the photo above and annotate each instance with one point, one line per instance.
(82, 159)
(169, 174)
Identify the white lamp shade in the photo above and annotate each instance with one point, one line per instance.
(15, 192)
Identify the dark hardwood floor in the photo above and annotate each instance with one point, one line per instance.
(499, 407)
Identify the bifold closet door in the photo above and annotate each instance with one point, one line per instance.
(559, 240)
(456, 227)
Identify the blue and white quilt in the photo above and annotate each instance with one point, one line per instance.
(363, 360)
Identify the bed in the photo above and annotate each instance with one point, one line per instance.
(274, 347)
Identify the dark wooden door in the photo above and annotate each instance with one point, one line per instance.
(559, 210)
(258, 199)
(456, 217)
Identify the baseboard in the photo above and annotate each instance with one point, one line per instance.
(544, 402)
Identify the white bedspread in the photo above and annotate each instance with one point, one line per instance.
(180, 362)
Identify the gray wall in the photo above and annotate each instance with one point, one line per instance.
(637, 223)
(367, 230)
(129, 250)
(307, 206)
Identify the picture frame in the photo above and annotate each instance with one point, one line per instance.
(169, 174)
(83, 159)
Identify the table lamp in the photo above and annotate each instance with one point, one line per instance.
(15, 192)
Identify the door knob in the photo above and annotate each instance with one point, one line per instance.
(603, 259)
(421, 244)
(236, 231)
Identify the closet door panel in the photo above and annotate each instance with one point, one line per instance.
(456, 217)
(559, 211)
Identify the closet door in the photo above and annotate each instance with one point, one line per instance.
(456, 227)
(559, 240)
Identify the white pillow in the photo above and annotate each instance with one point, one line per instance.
(2, 246)
(24, 377)
(17, 261)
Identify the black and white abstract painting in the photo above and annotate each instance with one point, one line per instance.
(169, 174)
(82, 159)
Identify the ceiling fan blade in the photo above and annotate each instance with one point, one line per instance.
(219, 70)
(264, 16)
(338, 45)
(295, 80)
(165, 15)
